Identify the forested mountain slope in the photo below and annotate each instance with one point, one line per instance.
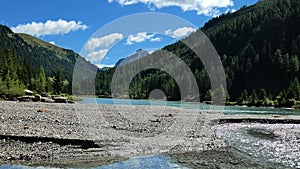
(27, 62)
(259, 47)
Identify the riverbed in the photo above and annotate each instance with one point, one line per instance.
(103, 135)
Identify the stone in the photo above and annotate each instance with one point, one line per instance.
(297, 134)
(71, 101)
(26, 98)
(45, 95)
(28, 92)
(234, 162)
(37, 98)
(60, 99)
(46, 100)
(41, 110)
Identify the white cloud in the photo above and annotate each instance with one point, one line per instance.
(97, 56)
(180, 32)
(53, 43)
(206, 7)
(138, 38)
(230, 10)
(157, 39)
(100, 66)
(105, 41)
(49, 27)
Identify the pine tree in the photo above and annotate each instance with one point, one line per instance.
(58, 82)
(253, 98)
(243, 99)
(294, 90)
(41, 81)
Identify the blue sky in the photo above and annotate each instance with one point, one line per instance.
(107, 30)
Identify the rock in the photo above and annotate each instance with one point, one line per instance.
(26, 127)
(41, 110)
(28, 92)
(45, 95)
(69, 131)
(47, 100)
(71, 101)
(37, 98)
(13, 99)
(26, 98)
(3, 97)
(234, 162)
(60, 99)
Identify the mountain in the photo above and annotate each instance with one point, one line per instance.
(139, 54)
(25, 56)
(259, 47)
(40, 53)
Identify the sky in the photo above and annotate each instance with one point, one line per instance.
(104, 31)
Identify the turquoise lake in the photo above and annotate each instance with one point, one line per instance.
(190, 105)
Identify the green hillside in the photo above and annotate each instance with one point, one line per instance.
(259, 47)
(24, 58)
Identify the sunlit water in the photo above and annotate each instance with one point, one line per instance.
(272, 143)
(157, 162)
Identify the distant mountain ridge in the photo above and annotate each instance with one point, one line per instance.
(139, 54)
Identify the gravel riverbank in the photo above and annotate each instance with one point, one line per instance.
(33, 133)
(78, 135)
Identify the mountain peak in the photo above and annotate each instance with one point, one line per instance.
(139, 54)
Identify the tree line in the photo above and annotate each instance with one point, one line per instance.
(16, 75)
(259, 48)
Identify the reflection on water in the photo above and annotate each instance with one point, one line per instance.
(157, 162)
(143, 162)
(265, 142)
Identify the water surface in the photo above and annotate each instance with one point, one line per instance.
(190, 105)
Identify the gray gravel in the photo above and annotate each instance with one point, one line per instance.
(119, 132)
(78, 135)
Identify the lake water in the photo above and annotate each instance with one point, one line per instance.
(190, 105)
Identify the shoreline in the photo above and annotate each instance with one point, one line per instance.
(72, 134)
(228, 103)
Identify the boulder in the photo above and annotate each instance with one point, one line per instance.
(3, 97)
(45, 95)
(26, 98)
(71, 101)
(47, 100)
(37, 98)
(60, 99)
(13, 99)
(28, 92)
